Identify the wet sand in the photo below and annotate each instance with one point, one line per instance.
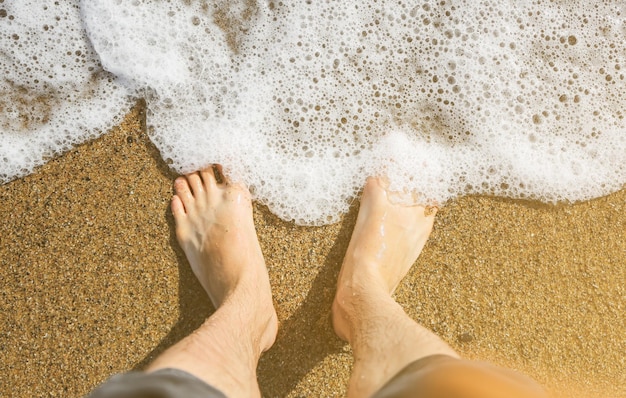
(93, 282)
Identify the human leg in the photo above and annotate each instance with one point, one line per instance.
(214, 227)
(395, 357)
(385, 243)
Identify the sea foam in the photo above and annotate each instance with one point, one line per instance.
(302, 100)
(54, 94)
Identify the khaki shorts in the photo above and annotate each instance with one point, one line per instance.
(441, 376)
(436, 376)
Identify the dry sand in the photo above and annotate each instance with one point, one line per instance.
(93, 282)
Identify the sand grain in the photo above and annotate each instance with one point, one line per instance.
(93, 282)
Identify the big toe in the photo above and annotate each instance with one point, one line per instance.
(178, 209)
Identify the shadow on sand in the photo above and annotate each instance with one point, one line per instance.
(304, 339)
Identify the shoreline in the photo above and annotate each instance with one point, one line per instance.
(94, 282)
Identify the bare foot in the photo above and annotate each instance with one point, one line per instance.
(386, 241)
(215, 228)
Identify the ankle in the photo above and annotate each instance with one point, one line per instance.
(358, 298)
(255, 315)
(357, 284)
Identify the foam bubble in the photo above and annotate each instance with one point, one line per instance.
(53, 94)
(303, 100)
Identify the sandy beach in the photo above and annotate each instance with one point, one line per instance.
(93, 282)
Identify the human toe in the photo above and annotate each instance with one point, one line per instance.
(212, 176)
(183, 192)
(178, 209)
(195, 183)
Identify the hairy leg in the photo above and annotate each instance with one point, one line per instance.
(214, 226)
(386, 241)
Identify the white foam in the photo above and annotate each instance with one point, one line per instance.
(53, 94)
(303, 100)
